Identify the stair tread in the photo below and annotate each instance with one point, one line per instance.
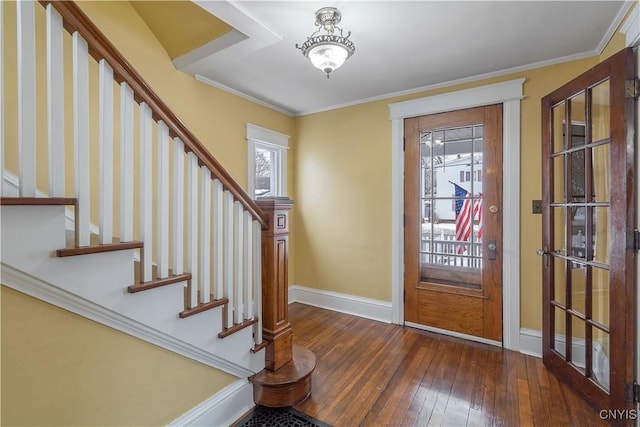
(38, 201)
(94, 245)
(237, 327)
(203, 307)
(158, 282)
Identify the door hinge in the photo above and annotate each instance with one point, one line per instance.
(633, 240)
(632, 88)
(633, 392)
(404, 298)
(404, 144)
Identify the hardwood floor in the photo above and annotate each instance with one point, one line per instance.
(376, 374)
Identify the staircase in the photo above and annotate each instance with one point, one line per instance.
(180, 257)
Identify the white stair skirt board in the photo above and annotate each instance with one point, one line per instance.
(94, 286)
(343, 303)
(221, 409)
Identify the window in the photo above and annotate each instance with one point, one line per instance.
(267, 162)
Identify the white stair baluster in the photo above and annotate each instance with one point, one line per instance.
(205, 236)
(227, 267)
(178, 206)
(25, 14)
(257, 279)
(81, 137)
(106, 125)
(248, 266)
(217, 235)
(55, 99)
(238, 238)
(126, 163)
(146, 199)
(192, 226)
(163, 201)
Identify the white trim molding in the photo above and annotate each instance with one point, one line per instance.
(276, 142)
(344, 303)
(509, 94)
(221, 409)
(54, 295)
(631, 27)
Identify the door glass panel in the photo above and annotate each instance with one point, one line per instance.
(578, 287)
(600, 295)
(577, 168)
(559, 230)
(559, 341)
(600, 112)
(558, 127)
(600, 236)
(451, 177)
(601, 173)
(560, 281)
(578, 348)
(577, 120)
(558, 182)
(600, 358)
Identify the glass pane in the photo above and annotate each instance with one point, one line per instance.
(578, 287)
(600, 296)
(578, 349)
(601, 171)
(577, 120)
(263, 171)
(559, 291)
(577, 168)
(600, 112)
(600, 358)
(558, 128)
(558, 179)
(451, 196)
(559, 230)
(559, 341)
(601, 234)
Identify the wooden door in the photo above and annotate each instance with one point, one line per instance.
(588, 233)
(453, 226)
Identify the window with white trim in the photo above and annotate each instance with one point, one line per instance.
(267, 162)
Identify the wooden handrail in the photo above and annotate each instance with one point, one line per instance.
(74, 19)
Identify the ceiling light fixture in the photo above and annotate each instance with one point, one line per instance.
(328, 52)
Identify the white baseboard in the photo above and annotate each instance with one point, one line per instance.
(343, 303)
(221, 409)
(531, 342)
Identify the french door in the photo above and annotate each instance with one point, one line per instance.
(453, 222)
(588, 233)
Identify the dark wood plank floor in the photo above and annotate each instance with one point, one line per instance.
(375, 374)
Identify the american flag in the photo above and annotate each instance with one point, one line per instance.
(465, 215)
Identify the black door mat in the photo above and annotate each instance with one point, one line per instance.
(261, 416)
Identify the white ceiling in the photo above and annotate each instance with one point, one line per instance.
(401, 46)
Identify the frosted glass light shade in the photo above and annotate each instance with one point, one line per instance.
(328, 57)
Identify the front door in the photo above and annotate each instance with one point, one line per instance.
(453, 226)
(588, 238)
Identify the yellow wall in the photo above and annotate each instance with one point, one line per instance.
(61, 369)
(343, 231)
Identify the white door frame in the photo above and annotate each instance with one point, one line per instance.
(508, 94)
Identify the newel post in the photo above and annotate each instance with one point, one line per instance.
(286, 379)
(276, 328)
